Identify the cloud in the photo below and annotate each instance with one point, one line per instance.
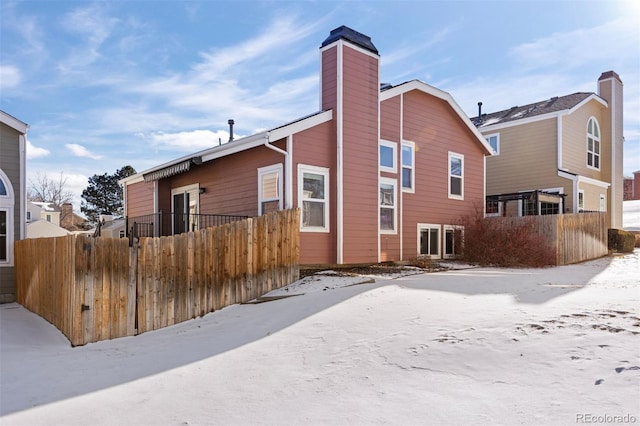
(9, 77)
(35, 152)
(574, 49)
(190, 141)
(81, 151)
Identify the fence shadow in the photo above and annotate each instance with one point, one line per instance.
(40, 367)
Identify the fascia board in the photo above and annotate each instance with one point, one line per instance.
(522, 121)
(13, 122)
(440, 94)
(593, 97)
(299, 126)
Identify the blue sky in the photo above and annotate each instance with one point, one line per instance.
(106, 84)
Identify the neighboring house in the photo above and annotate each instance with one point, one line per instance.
(45, 211)
(558, 155)
(72, 221)
(632, 187)
(110, 227)
(13, 139)
(379, 173)
(42, 228)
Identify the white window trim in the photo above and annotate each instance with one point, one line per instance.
(580, 207)
(454, 228)
(274, 168)
(598, 139)
(412, 189)
(394, 148)
(422, 226)
(394, 183)
(7, 205)
(302, 169)
(498, 214)
(497, 136)
(449, 176)
(194, 189)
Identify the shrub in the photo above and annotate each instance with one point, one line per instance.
(487, 242)
(423, 262)
(620, 240)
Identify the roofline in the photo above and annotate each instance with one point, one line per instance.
(13, 122)
(242, 144)
(440, 94)
(541, 117)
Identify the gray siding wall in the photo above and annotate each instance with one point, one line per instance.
(10, 165)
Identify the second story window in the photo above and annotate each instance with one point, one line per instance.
(593, 144)
(494, 141)
(388, 156)
(456, 176)
(408, 168)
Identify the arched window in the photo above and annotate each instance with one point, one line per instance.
(593, 144)
(6, 220)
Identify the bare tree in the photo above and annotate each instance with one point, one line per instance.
(49, 190)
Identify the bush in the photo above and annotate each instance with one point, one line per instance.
(485, 242)
(621, 241)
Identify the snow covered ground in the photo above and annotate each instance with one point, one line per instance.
(467, 346)
(631, 215)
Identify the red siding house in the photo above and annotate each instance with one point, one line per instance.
(380, 173)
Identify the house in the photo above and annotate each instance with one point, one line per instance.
(380, 172)
(42, 228)
(72, 221)
(45, 211)
(13, 139)
(632, 187)
(558, 155)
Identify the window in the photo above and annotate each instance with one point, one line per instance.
(313, 198)
(4, 240)
(269, 189)
(493, 208)
(48, 218)
(388, 158)
(6, 220)
(456, 176)
(408, 168)
(549, 208)
(387, 206)
(452, 240)
(429, 240)
(580, 201)
(593, 144)
(28, 216)
(494, 141)
(603, 203)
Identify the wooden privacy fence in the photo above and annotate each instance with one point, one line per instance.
(95, 289)
(575, 237)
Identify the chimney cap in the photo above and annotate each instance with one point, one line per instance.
(609, 74)
(345, 33)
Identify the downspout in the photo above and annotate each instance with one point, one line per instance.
(288, 167)
(23, 187)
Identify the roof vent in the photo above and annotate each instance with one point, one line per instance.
(231, 123)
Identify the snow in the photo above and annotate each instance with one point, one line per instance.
(464, 346)
(631, 215)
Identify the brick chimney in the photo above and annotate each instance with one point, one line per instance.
(66, 216)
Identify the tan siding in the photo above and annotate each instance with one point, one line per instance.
(360, 153)
(574, 140)
(527, 160)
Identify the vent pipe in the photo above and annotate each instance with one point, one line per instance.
(480, 110)
(231, 123)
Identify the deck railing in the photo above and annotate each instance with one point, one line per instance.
(164, 224)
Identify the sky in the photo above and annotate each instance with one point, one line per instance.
(113, 83)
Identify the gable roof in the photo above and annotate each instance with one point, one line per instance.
(13, 122)
(388, 91)
(536, 109)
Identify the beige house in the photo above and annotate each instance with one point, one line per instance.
(43, 211)
(559, 155)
